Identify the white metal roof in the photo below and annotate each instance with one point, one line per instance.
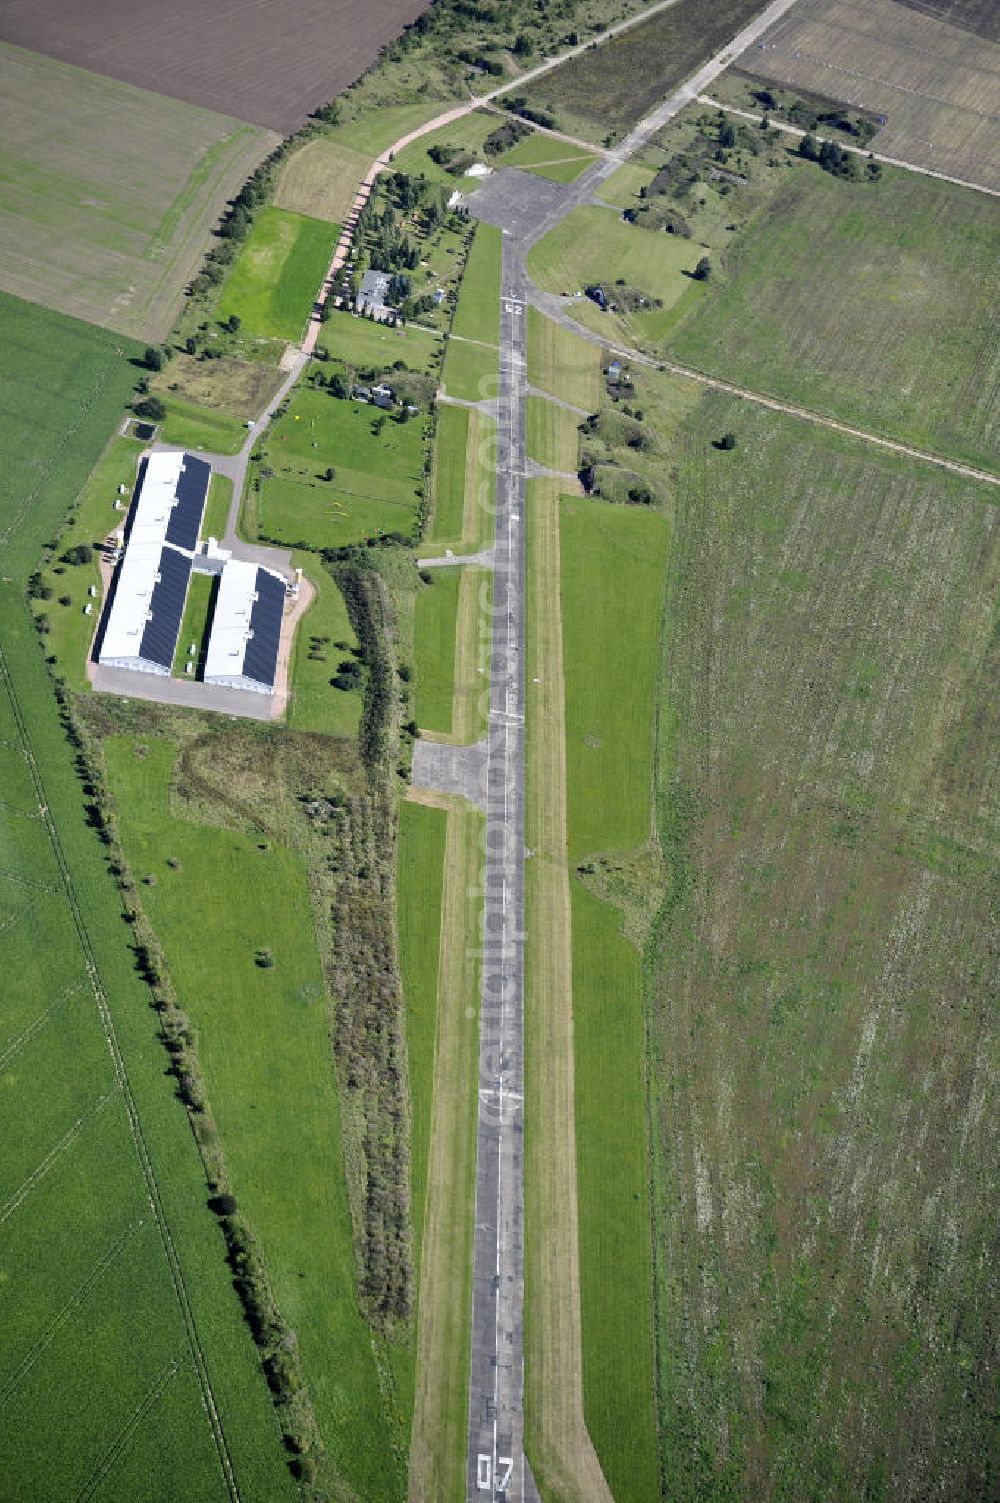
(231, 622)
(137, 576)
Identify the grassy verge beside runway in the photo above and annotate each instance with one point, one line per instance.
(612, 582)
(553, 437)
(556, 1439)
(451, 654)
(471, 371)
(562, 364)
(478, 313)
(464, 480)
(445, 1174)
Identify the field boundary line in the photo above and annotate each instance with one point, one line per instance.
(111, 1255)
(858, 151)
(53, 1156)
(27, 1034)
(132, 1111)
(121, 1440)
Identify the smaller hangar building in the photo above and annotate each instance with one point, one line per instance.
(246, 628)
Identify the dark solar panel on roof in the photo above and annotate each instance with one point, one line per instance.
(185, 516)
(159, 637)
(260, 660)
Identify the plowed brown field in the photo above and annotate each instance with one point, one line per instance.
(267, 63)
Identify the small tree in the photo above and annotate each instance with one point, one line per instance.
(703, 270)
(727, 441)
(808, 148)
(154, 358)
(232, 323)
(329, 473)
(152, 408)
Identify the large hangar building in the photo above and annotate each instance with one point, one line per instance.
(246, 628)
(144, 620)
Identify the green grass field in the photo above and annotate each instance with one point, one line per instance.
(820, 989)
(220, 496)
(279, 270)
(434, 649)
(322, 180)
(593, 244)
(549, 157)
(200, 427)
(360, 342)
(553, 437)
(451, 442)
(478, 313)
(377, 463)
(198, 610)
(265, 1053)
(315, 704)
(868, 301)
(84, 1265)
(464, 479)
(562, 363)
(471, 371)
(609, 785)
(111, 200)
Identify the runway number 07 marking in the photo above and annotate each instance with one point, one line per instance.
(484, 1472)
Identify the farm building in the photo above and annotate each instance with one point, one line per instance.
(246, 628)
(147, 604)
(372, 294)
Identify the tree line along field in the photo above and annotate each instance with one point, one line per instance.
(81, 228)
(820, 1025)
(88, 1257)
(261, 65)
(931, 84)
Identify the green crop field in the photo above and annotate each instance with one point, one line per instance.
(84, 1257)
(603, 91)
(609, 785)
(434, 649)
(821, 1012)
(110, 200)
(593, 244)
(478, 313)
(870, 301)
(377, 463)
(279, 271)
(265, 1052)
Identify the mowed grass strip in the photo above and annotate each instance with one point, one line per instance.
(441, 1405)
(471, 371)
(612, 584)
(110, 201)
(265, 1051)
(194, 427)
(869, 301)
(553, 437)
(477, 315)
(62, 385)
(434, 627)
(279, 271)
(562, 1454)
(562, 363)
(464, 479)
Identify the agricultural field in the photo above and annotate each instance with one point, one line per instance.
(979, 16)
(377, 465)
(933, 84)
(273, 284)
(248, 60)
(609, 786)
(601, 93)
(820, 1016)
(321, 179)
(264, 1049)
(870, 301)
(103, 1232)
(81, 229)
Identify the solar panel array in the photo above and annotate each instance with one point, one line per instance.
(260, 661)
(184, 526)
(166, 607)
